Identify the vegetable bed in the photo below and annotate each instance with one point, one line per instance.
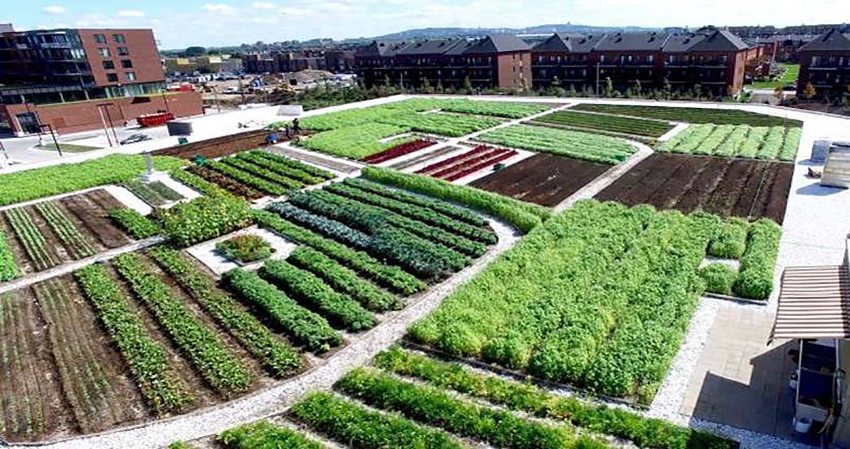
(627, 125)
(575, 144)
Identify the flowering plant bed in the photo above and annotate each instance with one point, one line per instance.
(399, 150)
(244, 249)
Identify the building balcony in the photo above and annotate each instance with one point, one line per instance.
(823, 67)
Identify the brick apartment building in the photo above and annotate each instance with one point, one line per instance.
(715, 60)
(825, 63)
(287, 61)
(501, 61)
(53, 76)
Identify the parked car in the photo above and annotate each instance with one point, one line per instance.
(135, 138)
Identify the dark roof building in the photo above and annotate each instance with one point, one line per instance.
(825, 64)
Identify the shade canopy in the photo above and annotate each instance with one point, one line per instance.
(814, 302)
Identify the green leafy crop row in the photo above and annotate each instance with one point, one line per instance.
(8, 269)
(136, 224)
(575, 144)
(224, 372)
(263, 434)
(204, 218)
(388, 276)
(755, 278)
(277, 356)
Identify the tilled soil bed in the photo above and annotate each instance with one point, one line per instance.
(544, 179)
(726, 187)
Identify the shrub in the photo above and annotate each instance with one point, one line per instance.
(311, 290)
(134, 223)
(730, 240)
(302, 325)
(263, 434)
(205, 218)
(359, 427)
(719, 278)
(37, 183)
(755, 278)
(523, 216)
(245, 248)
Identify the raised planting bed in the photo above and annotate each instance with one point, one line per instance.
(575, 144)
(544, 179)
(399, 150)
(725, 187)
(691, 115)
(355, 142)
(604, 122)
(453, 125)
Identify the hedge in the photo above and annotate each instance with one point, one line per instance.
(523, 216)
(37, 183)
(134, 223)
(303, 326)
(755, 278)
(360, 428)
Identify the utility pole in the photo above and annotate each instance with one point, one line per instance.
(52, 134)
(105, 129)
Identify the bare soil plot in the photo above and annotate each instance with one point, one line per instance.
(727, 187)
(544, 179)
(92, 209)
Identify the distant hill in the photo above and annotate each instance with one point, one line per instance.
(438, 33)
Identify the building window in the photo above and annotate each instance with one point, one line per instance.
(118, 38)
(112, 77)
(103, 52)
(100, 38)
(126, 63)
(131, 76)
(122, 51)
(108, 65)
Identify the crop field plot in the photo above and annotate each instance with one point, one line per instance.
(444, 124)
(155, 194)
(423, 158)
(561, 142)
(255, 174)
(592, 298)
(726, 187)
(744, 141)
(691, 115)
(355, 142)
(606, 122)
(399, 151)
(50, 233)
(544, 179)
(467, 163)
(409, 400)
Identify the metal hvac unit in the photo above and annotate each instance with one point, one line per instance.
(836, 172)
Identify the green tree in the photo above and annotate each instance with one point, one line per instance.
(667, 88)
(609, 87)
(779, 93)
(638, 88)
(426, 85)
(809, 91)
(195, 51)
(467, 85)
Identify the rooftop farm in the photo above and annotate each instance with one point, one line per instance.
(504, 255)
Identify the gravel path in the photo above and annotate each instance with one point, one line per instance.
(277, 399)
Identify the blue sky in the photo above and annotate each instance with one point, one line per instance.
(179, 23)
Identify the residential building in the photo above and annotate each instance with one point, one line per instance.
(825, 64)
(709, 60)
(203, 64)
(496, 61)
(290, 61)
(91, 66)
(712, 60)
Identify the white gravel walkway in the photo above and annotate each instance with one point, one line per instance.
(277, 399)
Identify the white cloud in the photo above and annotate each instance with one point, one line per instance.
(263, 5)
(293, 12)
(218, 7)
(53, 9)
(94, 20)
(264, 20)
(130, 13)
